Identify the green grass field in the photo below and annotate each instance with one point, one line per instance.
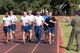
(66, 30)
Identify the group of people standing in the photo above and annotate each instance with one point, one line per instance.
(28, 23)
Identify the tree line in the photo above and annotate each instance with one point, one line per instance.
(18, 6)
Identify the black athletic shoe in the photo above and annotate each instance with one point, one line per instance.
(14, 36)
(29, 40)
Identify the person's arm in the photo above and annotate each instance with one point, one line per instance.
(2, 22)
(11, 21)
(53, 20)
(46, 22)
(43, 20)
(20, 20)
(27, 21)
(15, 19)
(72, 22)
(33, 20)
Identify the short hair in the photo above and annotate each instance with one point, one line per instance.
(6, 12)
(29, 11)
(24, 12)
(46, 11)
(11, 11)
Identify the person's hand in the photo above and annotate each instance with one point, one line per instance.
(31, 21)
(26, 22)
(47, 24)
(14, 21)
(51, 20)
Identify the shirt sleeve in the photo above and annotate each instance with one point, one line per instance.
(15, 18)
(43, 19)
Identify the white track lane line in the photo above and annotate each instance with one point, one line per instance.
(12, 48)
(36, 46)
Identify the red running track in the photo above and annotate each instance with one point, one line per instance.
(18, 47)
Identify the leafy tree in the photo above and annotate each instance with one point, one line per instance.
(18, 6)
(24, 6)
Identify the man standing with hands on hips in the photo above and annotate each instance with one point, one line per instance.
(75, 33)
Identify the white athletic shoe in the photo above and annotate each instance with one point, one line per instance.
(6, 41)
(50, 42)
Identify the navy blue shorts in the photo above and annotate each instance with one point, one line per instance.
(30, 27)
(45, 27)
(25, 28)
(13, 27)
(6, 29)
(51, 30)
